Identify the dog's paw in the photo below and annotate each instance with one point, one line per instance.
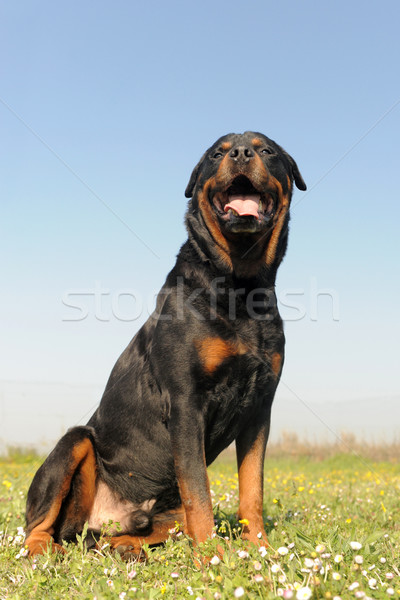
(129, 552)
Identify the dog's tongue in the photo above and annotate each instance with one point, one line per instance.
(244, 205)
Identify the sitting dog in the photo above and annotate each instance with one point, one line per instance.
(201, 373)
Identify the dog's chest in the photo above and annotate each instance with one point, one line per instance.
(241, 392)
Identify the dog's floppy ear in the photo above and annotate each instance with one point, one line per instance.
(299, 181)
(193, 177)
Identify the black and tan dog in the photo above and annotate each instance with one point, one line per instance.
(200, 374)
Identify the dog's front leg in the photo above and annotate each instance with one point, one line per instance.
(187, 436)
(250, 451)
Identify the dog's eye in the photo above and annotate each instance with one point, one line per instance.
(266, 151)
(217, 155)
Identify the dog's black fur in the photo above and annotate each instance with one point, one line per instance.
(200, 374)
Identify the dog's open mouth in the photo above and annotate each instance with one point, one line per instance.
(243, 202)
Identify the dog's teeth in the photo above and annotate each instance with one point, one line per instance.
(260, 206)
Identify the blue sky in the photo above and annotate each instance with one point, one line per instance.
(104, 110)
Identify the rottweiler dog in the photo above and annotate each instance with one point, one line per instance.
(201, 373)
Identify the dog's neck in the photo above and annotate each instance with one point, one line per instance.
(246, 261)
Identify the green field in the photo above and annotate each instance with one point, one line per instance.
(332, 524)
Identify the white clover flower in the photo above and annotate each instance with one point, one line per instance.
(355, 545)
(190, 591)
(389, 576)
(287, 594)
(263, 551)
(359, 594)
(354, 586)
(110, 583)
(372, 583)
(358, 559)
(239, 592)
(257, 565)
(282, 578)
(304, 593)
(309, 563)
(174, 575)
(275, 568)
(258, 578)
(215, 560)
(243, 554)
(382, 560)
(122, 595)
(317, 564)
(336, 576)
(132, 574)
(390, 591)
(320, 548)
(338, 558)
(283, 550)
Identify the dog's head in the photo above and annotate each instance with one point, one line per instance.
(242, 188)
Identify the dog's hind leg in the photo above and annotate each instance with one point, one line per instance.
(62, 492)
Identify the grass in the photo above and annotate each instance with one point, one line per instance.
(332, 524)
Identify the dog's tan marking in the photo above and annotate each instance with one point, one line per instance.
(212, 225)
(276, 363)
(257, 142)
(250, 467)
(214, 350)
(82, 457)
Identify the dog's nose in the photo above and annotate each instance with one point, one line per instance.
(241, 153)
